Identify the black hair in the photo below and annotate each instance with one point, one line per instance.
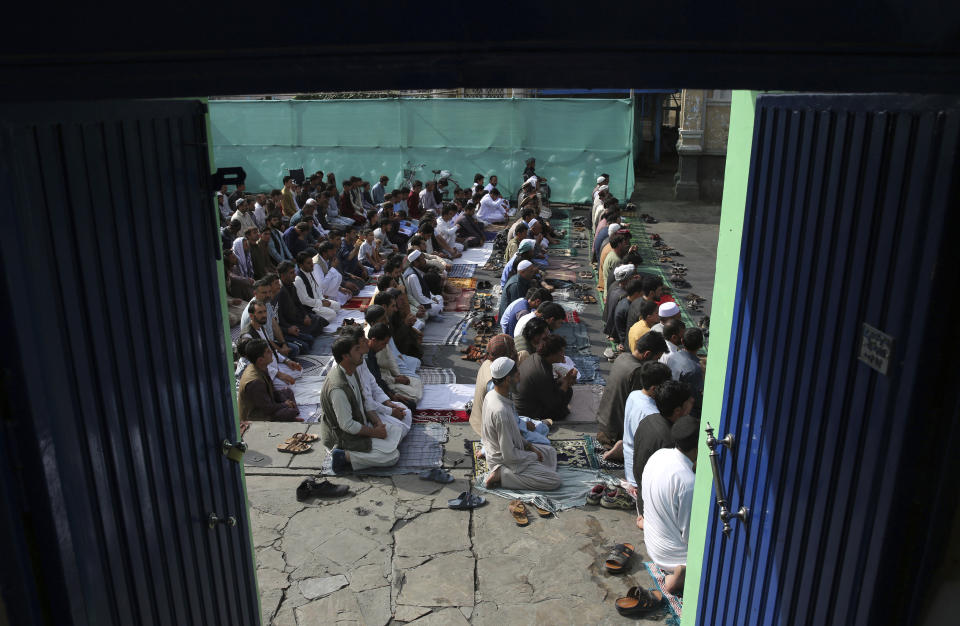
(619, 238)
(374, 314)
(384, 282)
(543, 295)
(653, 343)
(302, 257)
(654, 373)
(634, 258)
(285, 266)
(647, 308)
(552, 345)
(325, 246)
(522, 226)
(671, 395)
(252, 306)
(532, 293)
(342, 346)
(379, 332)
(693, 339)
(527, 212)
(672, 326)
(551, 310)
(254, 349)
(533, 328)
(651, 282)
(634, 286)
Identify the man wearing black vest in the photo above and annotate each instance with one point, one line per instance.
(292, 312)
(309, 291)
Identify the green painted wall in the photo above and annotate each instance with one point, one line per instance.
(739, 145)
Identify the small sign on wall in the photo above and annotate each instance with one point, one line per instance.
(876, 348)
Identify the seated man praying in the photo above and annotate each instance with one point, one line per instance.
(353, 433)
(514, 462)
(540, 393)
(257, 398)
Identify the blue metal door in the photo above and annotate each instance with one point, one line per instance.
(115, 378)
(836, 364)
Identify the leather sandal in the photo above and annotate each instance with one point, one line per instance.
(519, 512)
(639, 602)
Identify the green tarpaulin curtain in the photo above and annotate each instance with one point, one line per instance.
(573, 140)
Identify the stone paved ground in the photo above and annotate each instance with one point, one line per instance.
(394, 553)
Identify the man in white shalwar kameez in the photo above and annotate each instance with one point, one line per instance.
(329, 277)
(514, 462)
(310, 291)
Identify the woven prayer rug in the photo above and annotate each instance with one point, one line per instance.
(426, 416)
(355, 304)
(437, 376)
(570, 453)
(597, 450)
(447, 331)
(673, 607)
(461, 303)
(421, 449)
(462, 270)
(463, 283)
(314, 365)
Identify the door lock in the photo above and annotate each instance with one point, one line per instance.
(233, 451)
(725, 515)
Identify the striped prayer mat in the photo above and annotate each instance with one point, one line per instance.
(425, 416)
(674, 604)
(421, 449)
(437, 376)
(462, 270)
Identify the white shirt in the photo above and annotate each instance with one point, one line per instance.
(447, 230)
(414, 293)
(490, 210)
(341, 404)
(259, 215)
(246, 220)
(521, 322)
(366, 250)
(639, 405)
(671, 348)
(667, 501)
(429, 202)
(315, 302)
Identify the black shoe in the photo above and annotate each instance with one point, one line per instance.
(339, 458)
(312, 488)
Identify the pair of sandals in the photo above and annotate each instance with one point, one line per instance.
(298, 443)
(637, 601)
(484, 284)
(589, 299)
(518, 511)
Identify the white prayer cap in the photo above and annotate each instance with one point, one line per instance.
(531, 181)
(600, 179)
(219, 194)
(612, 228)
(311, 201)
(524, 265)
(623, 271)
(531, 223)
(526, 244)
(501, 367)
(239, 201)
(603, 188)
(669, 309)
(413, 256)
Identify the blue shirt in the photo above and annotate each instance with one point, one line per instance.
(378, 193)
(639, 405)
(514, 311)
(347, 264)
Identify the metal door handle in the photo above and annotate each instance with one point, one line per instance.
(725, 515)
(213, 520)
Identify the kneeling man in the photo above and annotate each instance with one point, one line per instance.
(514, 462)
(353, 432)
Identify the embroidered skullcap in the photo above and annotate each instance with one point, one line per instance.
(669, 309)
(413, 256)
(623, 271)
(523, 265)
(500, 345)
(525, 245)
(502, 367)
(612, 228)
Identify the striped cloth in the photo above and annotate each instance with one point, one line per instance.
(437, 376)
(462, 270)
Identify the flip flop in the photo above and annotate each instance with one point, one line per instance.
(296, 447)
(620, 554)
(437, 475)
(542, 512)
(519, 512)
(639, 601)
(466, 501)
(303, 438)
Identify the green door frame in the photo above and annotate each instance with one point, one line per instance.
(736, 174)
(225, 316)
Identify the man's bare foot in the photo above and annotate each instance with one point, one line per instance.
(640, 522)
(548, 422)
(479, 454)
(493, 478)
(615, 453)
(673, 583)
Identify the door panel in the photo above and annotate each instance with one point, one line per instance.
(108, 255)
(847, 210)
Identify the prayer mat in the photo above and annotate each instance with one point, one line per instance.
(322, 345)
(563, 264)
(310, 413)
(440, 416)
(673, 609)
(461, 303)
(451, 397)
(367, 291)
(478, 255)
(421, 449)
(584, 404)
(462, 270)
(446, 331)
(573, 317)
(342, 315)
(570, 452)
(235, 333)
(598, 453)
(436, 376)
(356, 304)
(314, 365)
(567, 275)
(463, 283)
(588, 366)
(577, 336)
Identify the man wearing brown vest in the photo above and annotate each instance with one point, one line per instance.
(354, 434)
(257, 398)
